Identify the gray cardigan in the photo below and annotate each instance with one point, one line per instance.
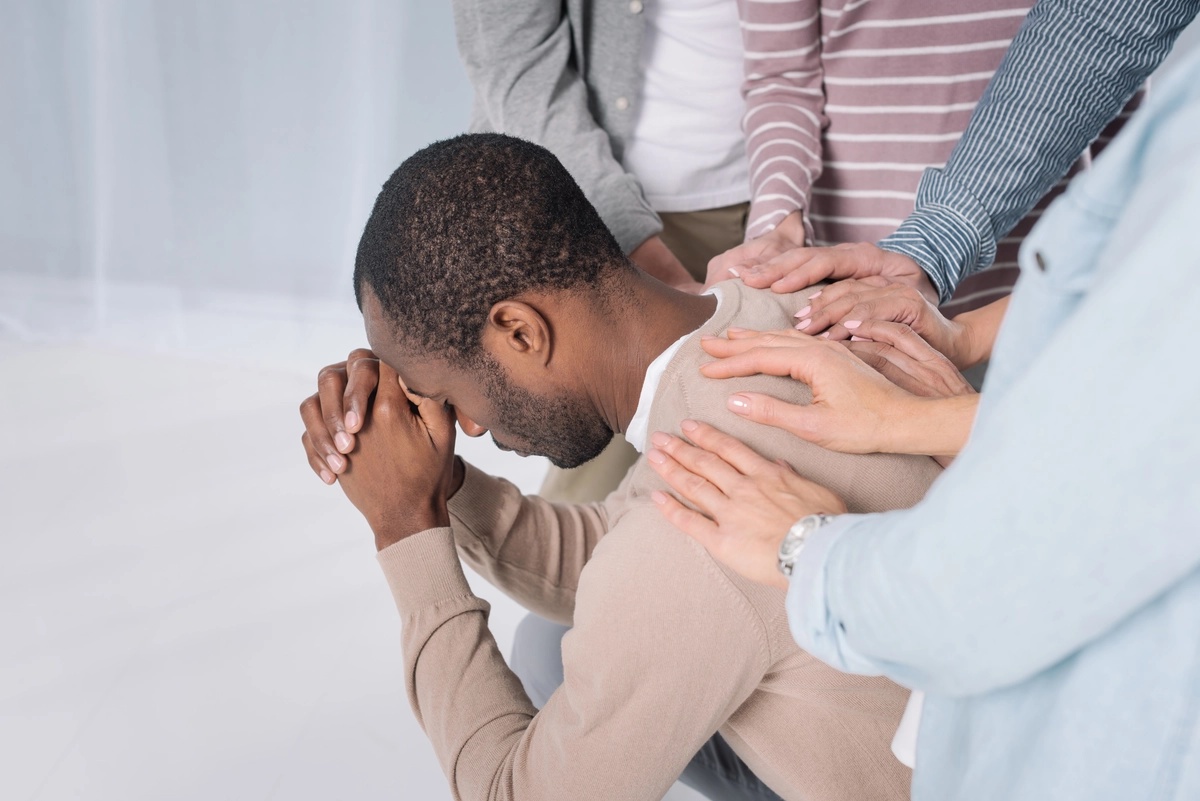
(564, 75)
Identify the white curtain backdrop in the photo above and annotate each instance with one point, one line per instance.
(192, 175)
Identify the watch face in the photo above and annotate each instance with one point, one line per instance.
(791, 546)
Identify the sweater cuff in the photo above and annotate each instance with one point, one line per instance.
(624, 209)
(423, 570)
(949, 234)
(477, 503)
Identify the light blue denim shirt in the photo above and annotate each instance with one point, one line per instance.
(1046, 593)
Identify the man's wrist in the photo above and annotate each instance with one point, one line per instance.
(401, 526)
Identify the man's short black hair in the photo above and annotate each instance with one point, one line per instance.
(471, 221)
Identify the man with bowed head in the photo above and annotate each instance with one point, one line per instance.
(672, 658)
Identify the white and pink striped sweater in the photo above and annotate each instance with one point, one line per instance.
(848, 101)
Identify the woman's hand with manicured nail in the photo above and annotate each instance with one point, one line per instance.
(843, 307)
(744, 504)
(855, 408)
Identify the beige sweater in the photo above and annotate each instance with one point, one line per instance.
(668, 646)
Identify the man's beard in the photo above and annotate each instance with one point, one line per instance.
(564, 429)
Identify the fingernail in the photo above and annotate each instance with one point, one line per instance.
(351, 419)
(327, 477)
(334, 462)
(824, 336)
(656, 456)
(660, 439)
(343, 441)
(733, 271)
(803, 312)
(815, 295)
(852, 324)
(800, 326)
(858, 339)
(689, 425)
(739, 403)
(658, 497)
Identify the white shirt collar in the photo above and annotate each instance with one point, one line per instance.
(638, 431)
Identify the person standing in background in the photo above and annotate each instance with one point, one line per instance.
(641, 102)
(849, 101)
(1070, 69)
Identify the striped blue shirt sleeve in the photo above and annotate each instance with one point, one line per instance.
(1071, 68)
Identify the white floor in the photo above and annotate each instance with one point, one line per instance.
(185, 611)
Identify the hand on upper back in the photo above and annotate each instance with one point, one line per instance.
(852, 403)
(855, 408)
(746, 503)
(732, 263)
(337, 412)
(403, 469)
(840, 308)
(799, 268)
(903, 357)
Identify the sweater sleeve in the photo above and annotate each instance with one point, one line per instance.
(785, 105)
(663, 650)
(531, 548)
(1071, 68)
(518, 56)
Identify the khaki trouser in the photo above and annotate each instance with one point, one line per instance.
(694, 237)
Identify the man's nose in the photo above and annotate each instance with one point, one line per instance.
(469, 426)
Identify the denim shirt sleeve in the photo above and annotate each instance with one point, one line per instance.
(1071, 68)
(1077, 501)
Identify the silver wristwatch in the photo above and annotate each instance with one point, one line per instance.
(797, 535)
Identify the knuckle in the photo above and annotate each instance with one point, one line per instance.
(330, 373)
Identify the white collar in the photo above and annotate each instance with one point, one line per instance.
(638, 431)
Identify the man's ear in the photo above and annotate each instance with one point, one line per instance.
(516, 329)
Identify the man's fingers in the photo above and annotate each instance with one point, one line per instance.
(362, 370)
(438, 419)
(689, 521)
(331, 388)
(315, 461)
(316, 427)
(693, 488)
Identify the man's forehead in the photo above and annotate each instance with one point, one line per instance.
(423, 373)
